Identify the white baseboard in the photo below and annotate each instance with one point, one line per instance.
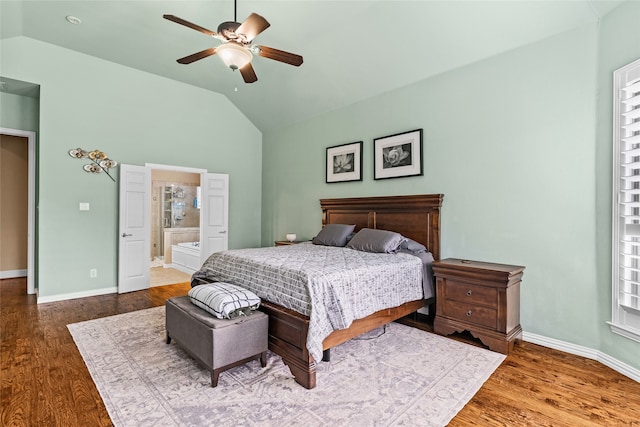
(10, 274)
(587, 352)
(74, 295)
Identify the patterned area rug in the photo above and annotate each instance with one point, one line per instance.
(394, 376)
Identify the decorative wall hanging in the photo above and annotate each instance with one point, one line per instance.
(99, 161)
(398, 155)
(344, 162)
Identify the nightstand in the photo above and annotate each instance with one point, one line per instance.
(284, 242)
(480, 297)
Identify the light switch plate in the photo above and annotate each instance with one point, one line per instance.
(84, 206)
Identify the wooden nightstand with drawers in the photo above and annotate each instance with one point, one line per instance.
(480, 297)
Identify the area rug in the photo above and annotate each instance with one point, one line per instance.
(398, 375)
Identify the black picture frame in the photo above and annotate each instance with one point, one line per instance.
(344, 163)
(398, 156)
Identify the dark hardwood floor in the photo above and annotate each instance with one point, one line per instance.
(539, 386)
(44, 381)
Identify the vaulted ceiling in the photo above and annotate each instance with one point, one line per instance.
(352, 50)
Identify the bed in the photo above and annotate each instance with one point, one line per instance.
(295, 333)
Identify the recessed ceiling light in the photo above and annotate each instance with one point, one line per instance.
(73, 20)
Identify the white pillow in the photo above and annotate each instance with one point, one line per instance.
(224, 300)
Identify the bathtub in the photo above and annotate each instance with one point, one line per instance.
(195, 245)
(186, 257)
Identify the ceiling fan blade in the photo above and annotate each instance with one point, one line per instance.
(197, 56)
(248, 74)
(189, 24)
(252, 26)
(280, 55)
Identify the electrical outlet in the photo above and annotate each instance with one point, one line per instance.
(93, 272)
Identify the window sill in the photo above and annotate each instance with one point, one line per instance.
(625, 331)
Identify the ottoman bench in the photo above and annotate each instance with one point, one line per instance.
(219, 344)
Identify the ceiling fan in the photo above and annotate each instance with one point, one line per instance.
(236, 50)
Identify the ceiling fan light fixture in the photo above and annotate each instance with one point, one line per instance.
(233, 55)
(236, 50)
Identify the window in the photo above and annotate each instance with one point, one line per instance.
(626, 205)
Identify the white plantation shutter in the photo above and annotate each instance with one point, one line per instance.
(626, 207)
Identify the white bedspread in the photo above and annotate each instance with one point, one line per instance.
(333, 286)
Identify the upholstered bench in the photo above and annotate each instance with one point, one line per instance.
(219, 344)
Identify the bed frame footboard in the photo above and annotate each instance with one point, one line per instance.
(288, 335)
(287, 338)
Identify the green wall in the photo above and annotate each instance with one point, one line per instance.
(135, 117)
(18, 112)
(511, 143)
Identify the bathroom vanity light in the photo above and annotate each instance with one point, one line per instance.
(99, 161)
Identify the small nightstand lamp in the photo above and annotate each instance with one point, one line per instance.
(291, 240)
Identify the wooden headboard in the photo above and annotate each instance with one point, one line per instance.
(416, 217)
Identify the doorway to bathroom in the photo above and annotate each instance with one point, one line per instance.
(171, 219)
(175, 221)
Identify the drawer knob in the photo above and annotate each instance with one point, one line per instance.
(469, 313)
(469, 292)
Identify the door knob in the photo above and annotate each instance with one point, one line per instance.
(222, 232)
(126, 235)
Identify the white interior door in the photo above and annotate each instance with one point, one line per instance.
(135, 228)
(214, 215)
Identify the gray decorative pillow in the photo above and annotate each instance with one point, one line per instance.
(334, 235)
(412, 246)
(224, 300)
(371, 240)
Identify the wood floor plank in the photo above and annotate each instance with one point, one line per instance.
(44, 381)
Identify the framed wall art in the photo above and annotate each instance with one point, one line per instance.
(344, 162)
(399, 155)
